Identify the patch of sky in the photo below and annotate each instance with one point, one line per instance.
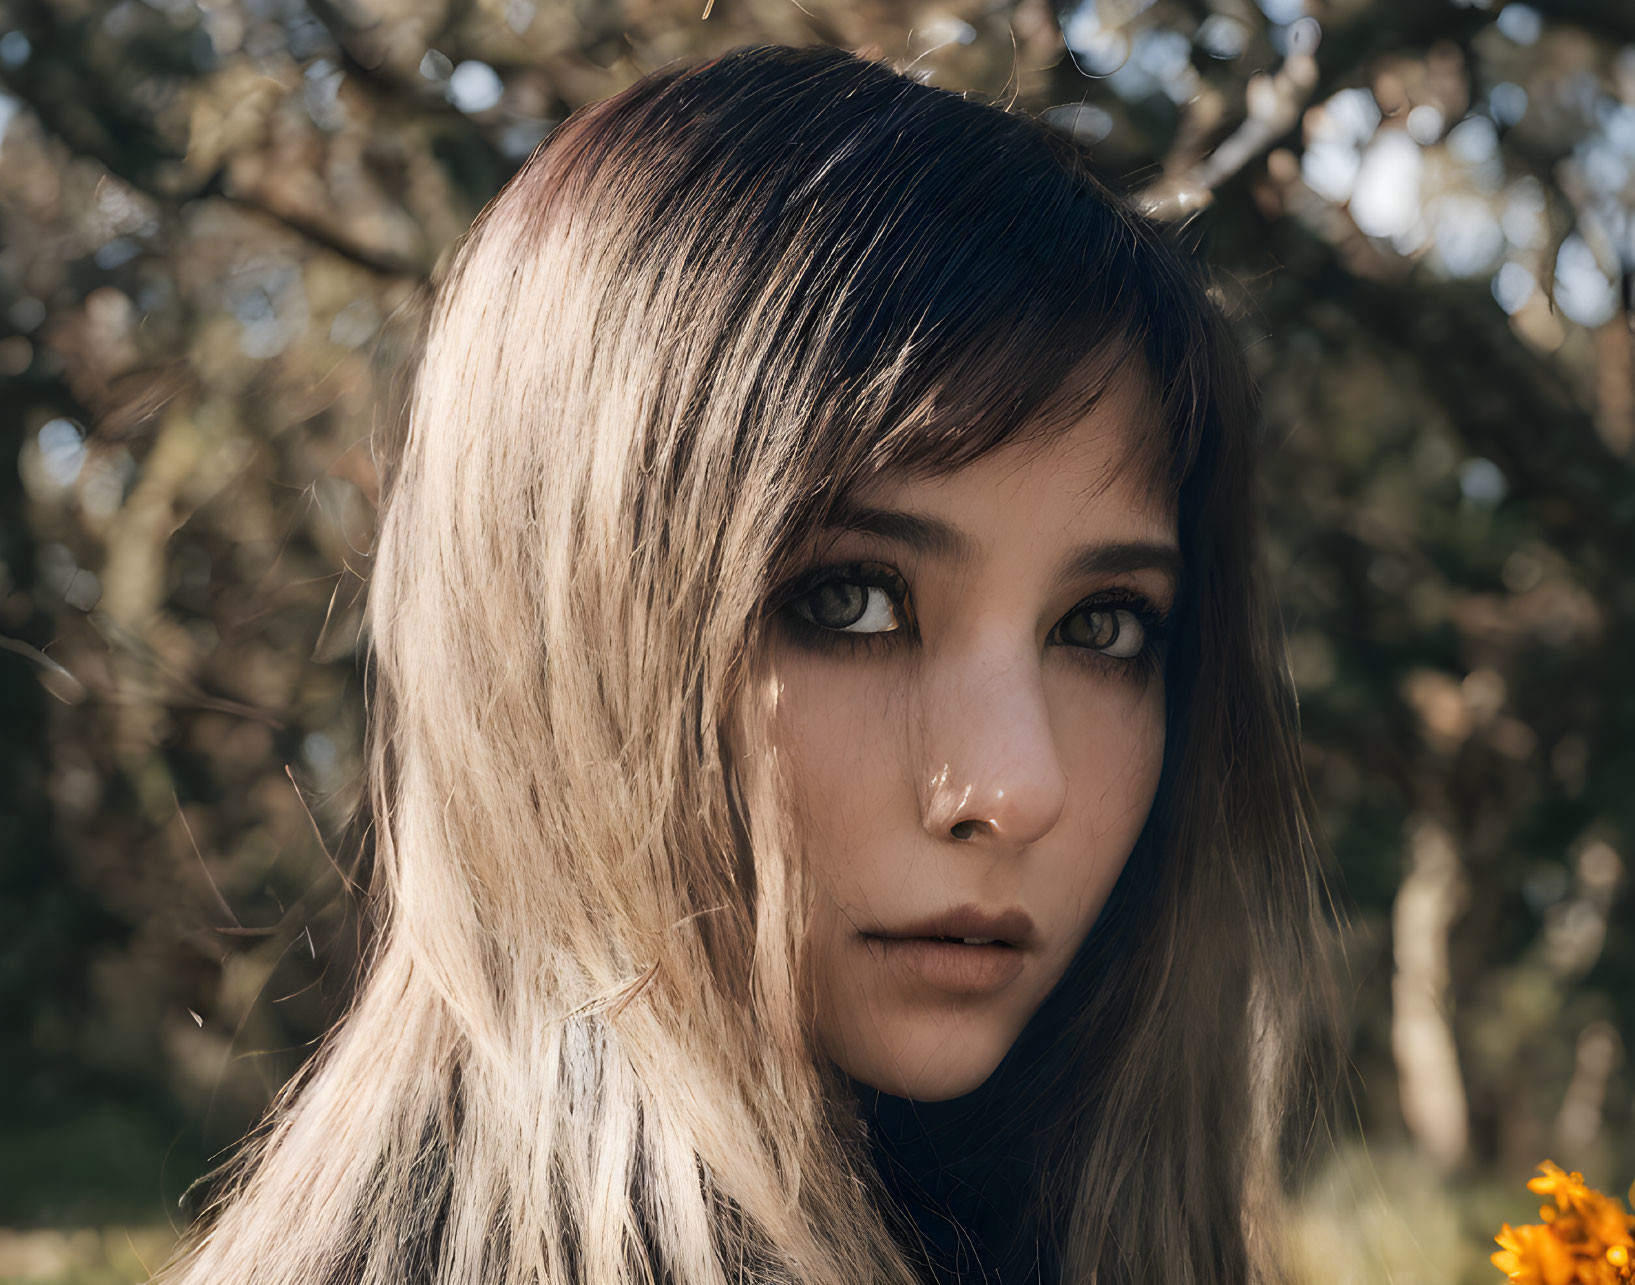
(1606, 170)
(8, 109)
(319, 751)
(1330, 169)
(1095, 33)
(518, 139)
(1473, 140)
(1583, 289)
(1084, 121)
(306, 36)
(1162, 53)
(355, 324)
(1481, 481)
(14, 50)
(1474, 144)
(474, 86)
(116, 253)
(1618, 124)
(1338, 128)
(1385, 202)
(1353, 114)
(1301, 36)
(1166, 56)
(1081, 26)
(1283, 11)
(271, 306)
(1106, 53)
(1425, 124)
(1304, 35)
(1222, 37)
(1520, 22)
(1132, 84)
(1100, 51)
(945, 30)
(1523, 219)
(1507, 102)
(1513, 286)
(62, 450)
(519, 15)
(1467, 236)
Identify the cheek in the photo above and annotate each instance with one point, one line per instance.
(1112, 749)
(839, 729)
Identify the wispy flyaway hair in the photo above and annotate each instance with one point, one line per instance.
(580, 1049)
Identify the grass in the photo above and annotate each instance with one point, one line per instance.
(82, 1256)
(1371, 1217)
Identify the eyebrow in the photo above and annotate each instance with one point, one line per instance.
(935, 538)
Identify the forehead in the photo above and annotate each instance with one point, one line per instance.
(1089, 475)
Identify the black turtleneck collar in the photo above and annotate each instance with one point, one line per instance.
(958, 1174)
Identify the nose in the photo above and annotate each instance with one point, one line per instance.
(992, 770)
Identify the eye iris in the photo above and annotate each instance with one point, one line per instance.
(837, 604)
(1097, 629)
(1114, 631)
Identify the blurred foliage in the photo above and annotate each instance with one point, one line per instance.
(1423, 214)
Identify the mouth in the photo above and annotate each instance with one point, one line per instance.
(946, 941)
(968, 925)
(948, 965)
(967, 951)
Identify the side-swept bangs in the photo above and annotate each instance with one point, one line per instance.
(948, 277)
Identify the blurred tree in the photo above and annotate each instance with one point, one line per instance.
(1422, 213)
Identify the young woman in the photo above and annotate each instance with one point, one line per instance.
(835, 792)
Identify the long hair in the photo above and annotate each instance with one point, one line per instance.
(580, 1048)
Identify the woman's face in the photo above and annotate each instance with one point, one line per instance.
(970, 700)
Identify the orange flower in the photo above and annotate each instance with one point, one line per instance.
(1530, 1255)
(1585, 1238)
(1567, 1188)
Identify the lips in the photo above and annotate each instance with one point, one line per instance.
(968, 925)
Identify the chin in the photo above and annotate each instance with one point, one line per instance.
(932, 1065)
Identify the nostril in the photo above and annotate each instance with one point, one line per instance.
(962, 829)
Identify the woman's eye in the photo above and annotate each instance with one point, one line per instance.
(849, 606)
(1113, 631)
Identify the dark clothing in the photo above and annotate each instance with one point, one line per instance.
(967, 1191)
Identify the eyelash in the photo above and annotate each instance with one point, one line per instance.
(1138, 668)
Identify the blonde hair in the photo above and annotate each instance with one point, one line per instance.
(581, 1047)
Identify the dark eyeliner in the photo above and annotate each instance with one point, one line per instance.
(1153, 621)
(805, 633)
